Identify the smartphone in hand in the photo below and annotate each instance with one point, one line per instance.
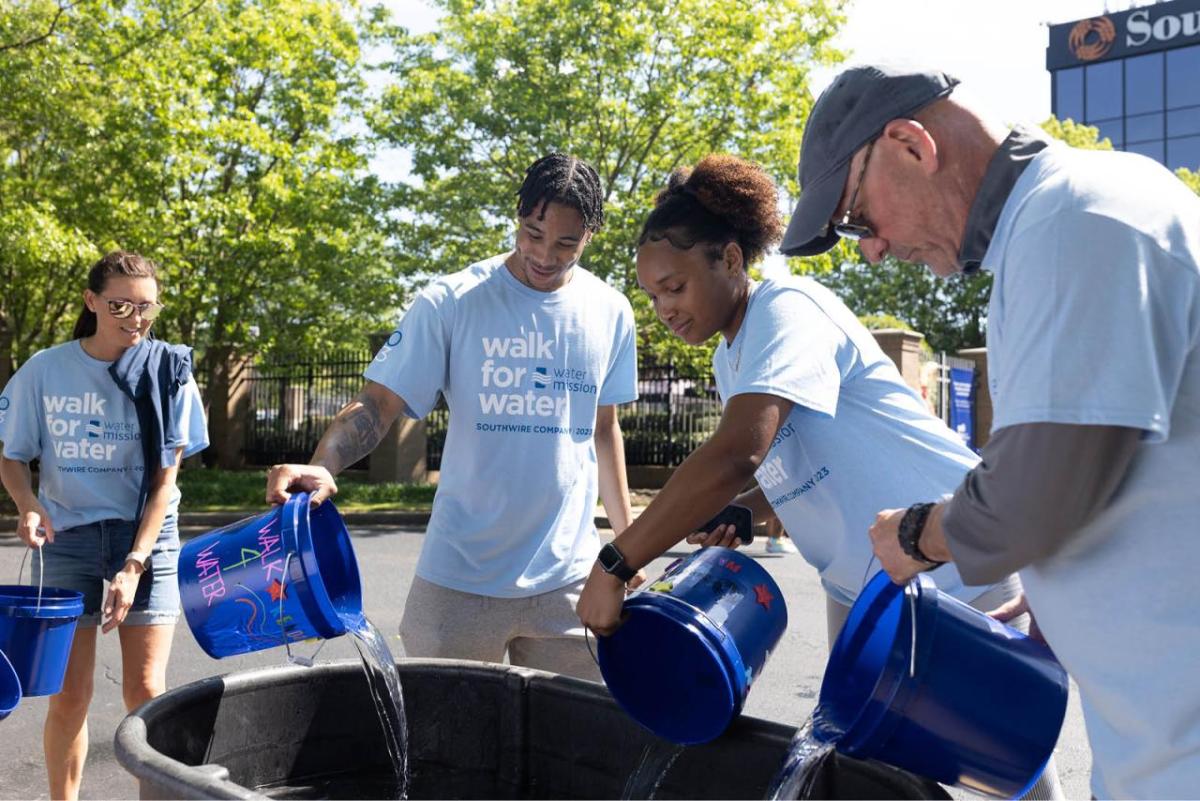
(737, 516)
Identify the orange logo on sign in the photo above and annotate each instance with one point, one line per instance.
(1091, 39)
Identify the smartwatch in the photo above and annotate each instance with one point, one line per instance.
(612, 561)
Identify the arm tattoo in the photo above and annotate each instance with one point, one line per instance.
(354, 434)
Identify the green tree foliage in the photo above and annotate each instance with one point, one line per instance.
(637, 88)
(951, 313)
(216, 136)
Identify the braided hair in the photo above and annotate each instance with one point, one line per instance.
(723, 199)
(559, 178)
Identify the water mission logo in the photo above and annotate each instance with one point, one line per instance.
(1091, 39)
(541, 377)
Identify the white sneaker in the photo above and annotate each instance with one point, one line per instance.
(780, 545)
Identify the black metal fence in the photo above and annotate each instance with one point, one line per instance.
(292, 402)
(671, 417)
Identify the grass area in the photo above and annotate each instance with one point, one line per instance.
(207, 490)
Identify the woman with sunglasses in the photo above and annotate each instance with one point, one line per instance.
(109, 416)
(813, 409)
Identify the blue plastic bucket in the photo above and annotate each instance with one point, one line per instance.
(691, 644)
(975, 703)
(10, 687)
(279, 577)
(36, 636)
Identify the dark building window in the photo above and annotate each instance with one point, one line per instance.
(1068, 90)
(1103, 91)
(1152, 149)
(1144, 84)
(1144, 127)
(1183, 121)
(1110, 130)
(1183, 77)
(1184, 152)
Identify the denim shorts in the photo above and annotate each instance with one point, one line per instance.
(84, 557)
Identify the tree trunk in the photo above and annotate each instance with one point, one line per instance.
(228, 400)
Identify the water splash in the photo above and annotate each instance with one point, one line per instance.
(383, 680)
(657, 758)
(806, 754)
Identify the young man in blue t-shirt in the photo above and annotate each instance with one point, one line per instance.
(532, 353)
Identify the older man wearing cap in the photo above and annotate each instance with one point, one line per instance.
(1090, 484)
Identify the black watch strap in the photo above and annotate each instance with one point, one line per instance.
(612, 561)
(911, 526)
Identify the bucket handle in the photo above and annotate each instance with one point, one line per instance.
(293, 659)
(41, 573)
(911, 594)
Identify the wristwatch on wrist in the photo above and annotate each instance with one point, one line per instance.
(612, 561)
(141, 558)
(911, 526)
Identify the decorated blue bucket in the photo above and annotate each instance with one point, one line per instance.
(972, 702)
(279, 577)
(692, 643)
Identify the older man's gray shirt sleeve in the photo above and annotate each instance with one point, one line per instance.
(1037, 485)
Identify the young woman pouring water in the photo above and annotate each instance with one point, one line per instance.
(109, 416)
(813, 409)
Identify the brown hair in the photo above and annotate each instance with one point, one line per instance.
(116, 263)
(723, 199)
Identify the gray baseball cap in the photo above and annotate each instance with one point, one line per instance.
(847, 115)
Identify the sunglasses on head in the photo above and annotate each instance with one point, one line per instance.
(121, 309)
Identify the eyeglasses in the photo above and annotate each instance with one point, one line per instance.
(846, 227)
(122, 309)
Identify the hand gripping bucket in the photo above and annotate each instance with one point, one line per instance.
(692, 643)
(974, 703)
(10, 687)
(280, 577)
(37, 629)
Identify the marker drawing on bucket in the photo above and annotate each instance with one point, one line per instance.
(287, 575)
(924, 682)
(283, 576)
(692, 643)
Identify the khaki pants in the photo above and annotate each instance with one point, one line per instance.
(539, 631)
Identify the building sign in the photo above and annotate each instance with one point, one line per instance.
(1130, 33)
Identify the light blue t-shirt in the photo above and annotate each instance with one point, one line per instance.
(64, 409)
(857, 440)
(1094, 319)
(523, 373)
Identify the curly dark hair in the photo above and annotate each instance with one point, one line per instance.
(722, 199)
(560, 178)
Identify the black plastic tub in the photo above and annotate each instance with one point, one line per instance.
(476, 731)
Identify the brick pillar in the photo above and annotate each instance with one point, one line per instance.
(904, 349)
(400, 456)
(983, 397)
